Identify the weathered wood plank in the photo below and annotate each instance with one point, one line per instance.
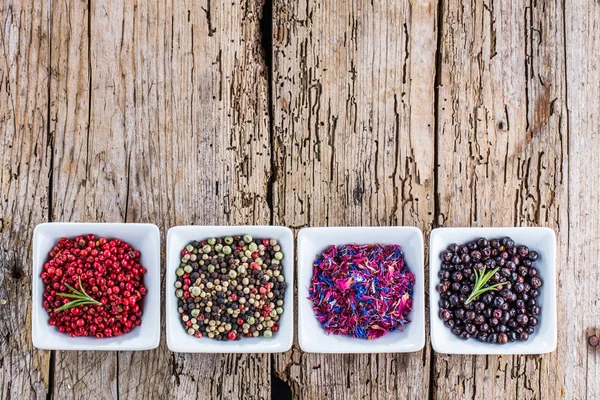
(201, 156)
(25, 153)
(354, 141)
(502, 160)
(581, 278)
(88, 95)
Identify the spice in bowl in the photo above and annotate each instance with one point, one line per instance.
(93, 287)
(231, 287)
(489, 289)
(361, 291)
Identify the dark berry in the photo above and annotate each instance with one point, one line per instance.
(445, 315)
(535, 282)
(502, 338)
(446, 256)
(522, 319)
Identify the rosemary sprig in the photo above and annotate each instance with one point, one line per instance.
(481, 278)
(80, 298)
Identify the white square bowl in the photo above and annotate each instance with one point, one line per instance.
(143, 237)
(178, 340)
(313, 241)
(542, 240)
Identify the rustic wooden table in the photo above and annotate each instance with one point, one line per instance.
(301, 113)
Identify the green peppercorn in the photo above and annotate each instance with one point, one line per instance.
(218, 247)
(189, 247)
(278, 255)
(228, 240)
(188, 269)
(252, 247)
(195, 312)
(179, 272)
(226, 250)
(207, 248)
(247, 238)
(212, 241)
(268, 334)
(232, 274)
(195, 291)
(251, 321)
(179, 293)
(279, 310)
(211, 269)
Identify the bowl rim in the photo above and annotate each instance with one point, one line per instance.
(439, 346)
(42, 342)
(418, 337)
(281, 343)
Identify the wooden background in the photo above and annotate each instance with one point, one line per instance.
(301, 113)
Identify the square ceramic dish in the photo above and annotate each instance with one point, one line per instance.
(178, 340)
(312, 241)
(542, 240)
(143, 237)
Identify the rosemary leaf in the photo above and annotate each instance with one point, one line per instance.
(72, 289)
(81, 298)
(70, 304)
(69, 295)
(481, 278)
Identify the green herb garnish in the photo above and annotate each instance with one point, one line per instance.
(481, 278)
(80, 298)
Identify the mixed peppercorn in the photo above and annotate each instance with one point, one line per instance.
(93, 287)
(231, 287)
(489, 289)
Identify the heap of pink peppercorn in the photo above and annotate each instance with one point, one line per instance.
(93, 287)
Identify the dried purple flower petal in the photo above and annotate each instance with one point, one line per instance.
(363, 291)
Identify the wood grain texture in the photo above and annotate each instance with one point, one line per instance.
(178, 112)
(351, 149)
(502, 160)
(88, 95)
(162, 116)
(24, 161)
(201, 156)
(581, 279)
